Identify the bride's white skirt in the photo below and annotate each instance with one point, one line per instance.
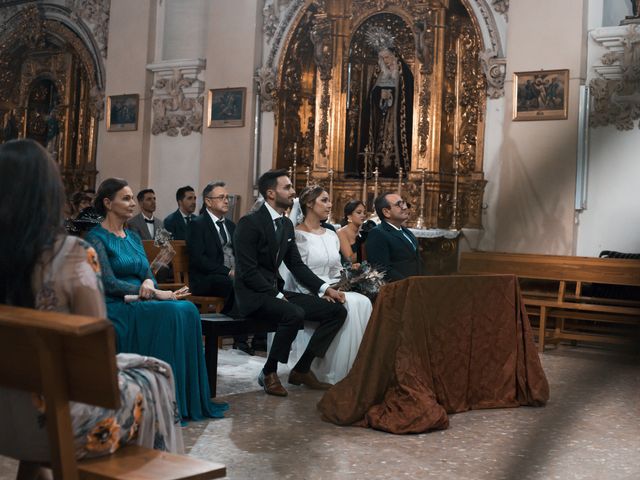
(343, 350)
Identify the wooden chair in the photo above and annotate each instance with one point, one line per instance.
(72, 358)
(181, 274)
(180, 266)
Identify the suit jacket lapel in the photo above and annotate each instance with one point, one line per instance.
(400, 236)
(212, 228)
(270, 233)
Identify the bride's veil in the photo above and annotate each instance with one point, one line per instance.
(295, 214)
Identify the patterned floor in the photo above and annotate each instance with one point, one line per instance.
(589, 430)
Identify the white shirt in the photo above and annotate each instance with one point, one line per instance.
(274, 216)
(150, 226)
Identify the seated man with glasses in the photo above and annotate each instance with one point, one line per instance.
(391, 246)
(211, 258)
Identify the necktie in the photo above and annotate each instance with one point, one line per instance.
(223, 234)
(408, 237)
(187, 219)
(279, 229)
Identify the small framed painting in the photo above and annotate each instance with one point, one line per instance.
(541, 95)
(122, 112)
(226, 107)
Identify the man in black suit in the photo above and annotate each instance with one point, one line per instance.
(178, 222)
(391, 246)
(209, 242)
(263, 240)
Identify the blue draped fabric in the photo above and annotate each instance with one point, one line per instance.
(168, 330)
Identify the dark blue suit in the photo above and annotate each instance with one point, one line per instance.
(389, 249)
(176, 225)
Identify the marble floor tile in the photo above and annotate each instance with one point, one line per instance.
(590, 429)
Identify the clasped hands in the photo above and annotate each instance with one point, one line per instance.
(332, 295)
(149, 292)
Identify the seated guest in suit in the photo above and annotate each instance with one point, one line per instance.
(209, 242)
(145, 224)
(61, 273)
(178, 221)
(390, 245)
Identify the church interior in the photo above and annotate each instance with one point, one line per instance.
(509, 128)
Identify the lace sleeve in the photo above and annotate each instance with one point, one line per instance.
(113, 287)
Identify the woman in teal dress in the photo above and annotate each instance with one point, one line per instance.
(156, 323)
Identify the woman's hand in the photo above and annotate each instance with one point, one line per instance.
(165, 295)
(147, 290)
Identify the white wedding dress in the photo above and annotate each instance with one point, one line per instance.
(321, 253)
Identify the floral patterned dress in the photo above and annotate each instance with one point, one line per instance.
(67, 280)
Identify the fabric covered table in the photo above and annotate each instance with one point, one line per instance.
(435, 346)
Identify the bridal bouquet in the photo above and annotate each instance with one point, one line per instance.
(361, 278)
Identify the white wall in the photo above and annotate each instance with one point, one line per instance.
(531, 178)
(611, 220)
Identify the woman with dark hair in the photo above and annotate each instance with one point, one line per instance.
(149, 321)
(53, 271)
(320, 250)
(351, 241)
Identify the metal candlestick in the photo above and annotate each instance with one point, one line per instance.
(367, 155)
(399, 180)
(295, 163)
(330, 219)
(307, 173)
(421, 221)
(454, 219)
(376, 174)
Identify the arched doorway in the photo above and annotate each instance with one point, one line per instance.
(51, 91)
(423, 125)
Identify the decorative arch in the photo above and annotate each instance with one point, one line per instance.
(46, 43)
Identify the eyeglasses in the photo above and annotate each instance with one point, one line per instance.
(399, 204)
(220, 197)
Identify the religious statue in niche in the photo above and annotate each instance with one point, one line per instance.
(380, 131)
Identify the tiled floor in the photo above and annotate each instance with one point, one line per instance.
(589, 430)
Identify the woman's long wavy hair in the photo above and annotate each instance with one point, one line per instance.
(31, 205)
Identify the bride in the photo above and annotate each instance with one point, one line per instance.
(320, 250)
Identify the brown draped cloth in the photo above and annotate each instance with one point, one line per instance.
(435, 346)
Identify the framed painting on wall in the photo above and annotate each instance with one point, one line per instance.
(226, 107)
(540, 95)
(122, 112)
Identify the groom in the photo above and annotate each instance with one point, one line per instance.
(263, 240)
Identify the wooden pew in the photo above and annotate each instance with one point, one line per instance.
(555, 291)
(72, 358)
(180, 266)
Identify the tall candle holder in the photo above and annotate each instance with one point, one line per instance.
(367, 155)
(295, 164)
(399, 180)
(456, 174)
(330, 219)
(307, 173)
(421, 221)
(376, 174)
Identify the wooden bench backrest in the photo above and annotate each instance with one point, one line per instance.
(181, 262)
(65, 357)
(553, 267)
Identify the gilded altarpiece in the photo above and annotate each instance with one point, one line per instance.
(328, 71)
(49, 93)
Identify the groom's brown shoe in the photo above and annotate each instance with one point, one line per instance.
(271, 384)
(308, 379)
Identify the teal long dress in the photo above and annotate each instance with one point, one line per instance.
(168, 330)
